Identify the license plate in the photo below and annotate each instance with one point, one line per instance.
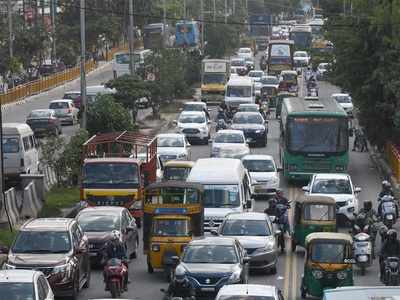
(91, 254)
(208, 289)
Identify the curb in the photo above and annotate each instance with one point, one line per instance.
(384, 170)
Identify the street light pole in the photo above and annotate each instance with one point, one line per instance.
(131, 42)
(53, 8)
(164, 13)
(215, 11)
(10, 29)
(203, 25)
(226, 11)
(83, 59)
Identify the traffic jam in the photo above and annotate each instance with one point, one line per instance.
(250, 194)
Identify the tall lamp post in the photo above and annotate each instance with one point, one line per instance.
(83, 59)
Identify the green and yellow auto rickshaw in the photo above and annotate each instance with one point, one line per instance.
(328, 263)
(312, 214)
(279, 99)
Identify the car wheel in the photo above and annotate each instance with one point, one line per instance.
(150, 269)
(88, 277)
(134, 253)
(60, 131)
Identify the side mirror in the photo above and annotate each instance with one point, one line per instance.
(305, 188)
(163, 290)
(209, 122)
(175, 260)
(248, 204)
(246, 260)
(180, 109)
(188, 145)
(175, 122)
(272, 218)
(214, 233)
(210, 140)
(357, 190)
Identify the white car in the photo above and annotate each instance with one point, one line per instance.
(301, 58)
(270, 81)
(249, 291)
(24, 284)
(194, 125)
(238, 66)
(339, 187)
(263, 173)
(321, 71)
(172, 146)
(65, 111)
(245, 53)
(229, 143)
(256, 75)
(196, 106)
(345, 101)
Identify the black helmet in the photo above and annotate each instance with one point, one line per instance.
(279, 191)
(367, 205)
(386, 185)
(392, 234)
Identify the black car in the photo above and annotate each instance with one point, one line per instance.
(58, 248)
(98, 224)
(253, 125)
(44, 122)
(212, 262)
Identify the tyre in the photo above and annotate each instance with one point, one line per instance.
(169, 273)
(282, 242)
(75, 288)
(134, 253)
(293, 245)
(150, 269)
(114, 289)
(303, 293)
(88, 277)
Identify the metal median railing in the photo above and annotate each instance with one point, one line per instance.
(43, 84)
(393, 157)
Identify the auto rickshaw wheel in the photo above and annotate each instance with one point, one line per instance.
(293, 245)
(150, 269)
(303, 291)
(169, 273)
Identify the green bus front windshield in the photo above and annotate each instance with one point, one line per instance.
(317, 135)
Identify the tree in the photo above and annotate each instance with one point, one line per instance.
(51, 150)
(107, 115)
(222, 40)
(73, 153)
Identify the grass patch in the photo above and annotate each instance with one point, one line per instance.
(7, 237)
(58, 198)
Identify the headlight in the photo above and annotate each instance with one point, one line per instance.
(235, 277)
(341, 275)
(181, 155)
(317, 274)
(8, 267)
(259, 131)
(269, 246)
(65, 270)
(274, 180)
(155, 247)
(389, 217)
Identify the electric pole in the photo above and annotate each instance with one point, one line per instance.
(203, 25)
(53, 10)
(131, 42)
(10, 29)
(215, 12)
(83, 60)
(164, 14)
(226, 11)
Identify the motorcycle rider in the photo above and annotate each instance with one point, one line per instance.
(279, 199)
(390, 248)
(386, 189)
(115, 249)
(180, 287)
(370, 214)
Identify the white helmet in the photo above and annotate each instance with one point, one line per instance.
(115, 235)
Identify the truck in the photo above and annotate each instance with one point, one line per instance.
(215, 74)
(117, 167)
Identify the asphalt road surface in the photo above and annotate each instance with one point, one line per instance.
(290, 265)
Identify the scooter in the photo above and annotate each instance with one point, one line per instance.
(362, 248)
(391, 276)
(388, 211)
(221, 124)
(115, 271)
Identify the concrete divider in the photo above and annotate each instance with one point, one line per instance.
(49, 178)
(31, 204)
(10, 202)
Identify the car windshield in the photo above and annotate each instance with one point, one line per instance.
(122, 58)
(245, 228)
(192, 119)
(40, 114)
(210, 254)
(115, 174)
(343, 99)
(230, 138)
(220, 195)
(328, 252)
(319, 212)
(300, 54)
(170, 141)
(58, 105)
(331, 186)
(317, 135)
(247, 119)
(252, 108)
(193, 107)
(99, 222)
(258, 165)
(213, 78)
(71, 96)
(171, 227)
(289, 77)
(17, 291)
(256, 74)
(269, 80)
(42, 242)
(10, 144)
(245, 297)
(244, 50)
(238, 91)
(175, 173)
(238, 63)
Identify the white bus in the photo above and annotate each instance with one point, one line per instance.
(120, 64)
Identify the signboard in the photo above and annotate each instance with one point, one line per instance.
(214, 67)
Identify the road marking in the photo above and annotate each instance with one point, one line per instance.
(294, 277)
(287, 280)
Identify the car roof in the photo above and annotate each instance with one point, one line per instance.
(331, 176)
(214, 240)
(54, 224)
(362, 292)
(223, 170)
(166, 135)
(248, 113)
(18, 275)
(229, 131)
(258, 157)
(61, 100)
(193, 113)
(43, 110)
(248, 105)
(300, 52)
(16, 128)
(109, 210)
(240, 80)
(288, 72)
(258, 216)
(248, 289)
(114, 159)
(179, 163)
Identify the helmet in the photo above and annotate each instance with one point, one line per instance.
(367, 205)
(392, 234)
(180, 275)
(279, 192)
(386, 185)
(115, 235)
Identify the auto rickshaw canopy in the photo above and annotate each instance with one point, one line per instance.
(328, 236)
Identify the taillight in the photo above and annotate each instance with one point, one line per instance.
(22, 162)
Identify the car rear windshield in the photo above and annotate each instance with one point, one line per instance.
(248, 119)
(170, 141)
(211, 254)
(193, 107)
(258, 165)
(192, 119)
(233, 138)
(40, 114)
(245, 228)
(99, 222)
(42, 242)
(58, 105)
(10, 145)
(17, 291)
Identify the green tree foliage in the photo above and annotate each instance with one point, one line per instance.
(51, 156)
(107, 115)
(222, 40)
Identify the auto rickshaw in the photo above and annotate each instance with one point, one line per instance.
(312, 214)
(177, 170)
(268, 94)
(328, 263)
(279, 100)
(173, 216)
(288, 81)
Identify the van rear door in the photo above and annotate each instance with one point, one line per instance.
(12, 148)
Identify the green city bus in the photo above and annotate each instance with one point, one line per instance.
(314, 137)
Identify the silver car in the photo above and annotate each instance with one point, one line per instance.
(257, 236)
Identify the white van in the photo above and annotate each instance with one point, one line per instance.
(239, 90)
(120, 64)
(226, 188)
(21, 155)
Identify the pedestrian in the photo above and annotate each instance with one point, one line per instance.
(363, 141)
(356, 143)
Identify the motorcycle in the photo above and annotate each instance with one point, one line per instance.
(281, 214)
(115, 271)
(388, 211)
(391, 275)
(221, 124)
(363, 248)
